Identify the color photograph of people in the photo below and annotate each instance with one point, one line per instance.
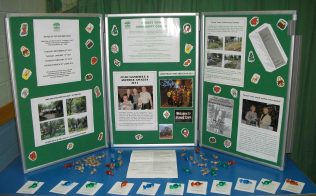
(135, 97)
(262, 115)
(176, 93)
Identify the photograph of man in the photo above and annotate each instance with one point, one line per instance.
(251, 116)
(265, 119)
(146, 98)
(135, 98)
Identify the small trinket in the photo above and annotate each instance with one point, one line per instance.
(67, 183)
(34, 185)
(266, 182)
(68, 165)
(221, 183)
(197, 149)
(231, 163)
(174, 186)
(245, 181)
(291, 182)
(148, 186)
(93, 171)
(187, 170)
(202, 164)
(91, 184)
(205, 172)
(215, 156)
(124, 183)
(196, 183)
(109, 172)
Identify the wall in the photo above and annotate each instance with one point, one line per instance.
(8, 135)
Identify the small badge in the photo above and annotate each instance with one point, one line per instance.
(114, 30)
(280, 81)
(89, 43)
(217, 89)
(24, 29)
(188, 48)
(166, 114)
(227, 143)
(26, 74)
(212, 140)
(25, 92)
(234, 92)
(94, 60)
(254, 21)
(185, 132)
(70, 146)
(89, 28)
(139, 136)
(25, 51)
(187, 28)
(114, 48)
(33, 156)
(100, 136)
(282, 24)
(88, 77)
(255, 78)
(97, 91)
(187, 62)
(117, 63)
(251, 57)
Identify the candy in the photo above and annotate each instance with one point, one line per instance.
(221, 183)
(245, 181)
(196, 183)
(124, 183)
(174, 186)
(109, 172)
(148, 186)
(34, 185)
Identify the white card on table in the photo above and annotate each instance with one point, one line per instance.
(269, 188)
(118, 190)
(295, 187)
(30, 187)
(246, 185)
(89, 188)
(148, 191)
(174, 191)
(221, 187)
(64, 187)
(200, 189)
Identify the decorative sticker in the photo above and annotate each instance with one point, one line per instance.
(139, 136)
(24, 30)
(100, 136)
(26, 74)
(255, 78)
(185, 132)
(94, 60)
(251, 57)
(89, 28)
(25, 51)
(212, 140)
(217, 89)
(97, 91)
(70, 146)
(254, 21)
(227, 143)
(115, 48)
(25, 92)
(88, 77)
(282, 24)
(117, 62)
(280, 81)
(114, 31)
(187, 28)
(187, 62)
(89, 44)
(188, 48)
(234, 92)
(166, 114)
(33, 156)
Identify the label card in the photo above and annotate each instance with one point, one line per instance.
(197, 189)
(147, 188)
(221, 187)
(246, 185)
(89, 188)
(117, 189)
(30, 187)
(293, 186)
(64, 187)
(172, 190)
(272, 187)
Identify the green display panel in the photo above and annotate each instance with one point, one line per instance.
(246, 78)
(57, 77)
(152, 70)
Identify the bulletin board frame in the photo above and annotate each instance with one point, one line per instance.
(81, 115)
(143, 141)
(217, 140)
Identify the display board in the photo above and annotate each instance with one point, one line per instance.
(246, 78)
(57, 77)
(153, 75)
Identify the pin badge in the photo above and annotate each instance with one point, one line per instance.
(26, 74)
(188, 48)
(234, 92)
(89, 44)
(33, 156)
(25, 51)
(227, 143)
(139, 136)
(282, 24)
(97, 91)
(117, 63)
(217, 89)
(70, 146)
(185, 132)
(94, 60)
(114, 30)
(166, 114)
(88, 77)
(251, 57)
(212, 140)
(114, 48)
(187, 63)
(25, 92)
(187, 28)
(255, 78)
(100, 136)
(254, 21)
(24, 30)
(280, 81)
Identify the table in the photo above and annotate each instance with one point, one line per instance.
(12, 178)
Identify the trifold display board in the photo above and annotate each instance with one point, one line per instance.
(57, 76)
(153, 74)
(247, 60)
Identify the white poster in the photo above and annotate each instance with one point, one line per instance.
(225, 44)
(151, 40)
(135, 100)
(220, 115)
(259, 125)
(63, 116)
(57, 51)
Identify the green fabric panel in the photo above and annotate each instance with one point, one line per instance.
(304, 150)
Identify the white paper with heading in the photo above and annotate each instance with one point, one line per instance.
(153, 164)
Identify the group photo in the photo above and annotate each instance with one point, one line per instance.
(135, 97)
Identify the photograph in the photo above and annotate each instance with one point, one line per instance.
(165, 131)
(220, 115)
(52, 129)
(233, 43)
(176, 93)
(232, 61)
(214, 59)
(259, 114)
(77, 124)
(214, 42)
(50, 110)
(76, 105)
(135, 97)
